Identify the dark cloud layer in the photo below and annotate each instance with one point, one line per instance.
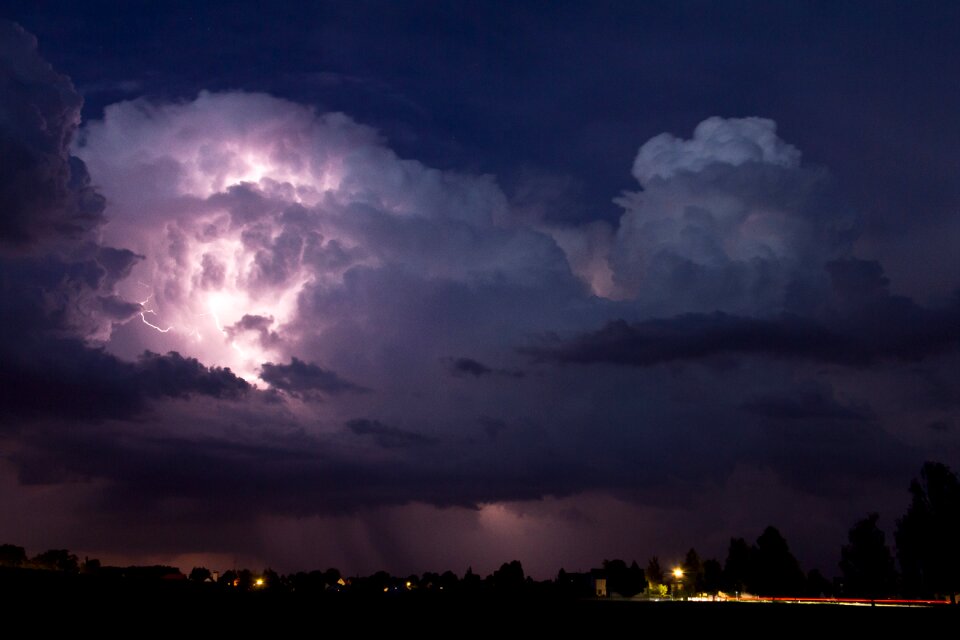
(806, 406)
(386, 436)
(301, 378)
(867, 325)
(46, 194)
(462, 367)
(64, 378)
(697, 336)
(178, 377)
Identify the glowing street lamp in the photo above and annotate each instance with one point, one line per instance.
(677, 579)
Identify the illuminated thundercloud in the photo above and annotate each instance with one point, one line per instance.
(245, 206)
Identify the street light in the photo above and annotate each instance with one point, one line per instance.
(677, 578)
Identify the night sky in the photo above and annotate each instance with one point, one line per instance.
(422, 286)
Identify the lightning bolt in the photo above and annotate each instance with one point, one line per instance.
(233, 343)
(143, 315)
(144, 310)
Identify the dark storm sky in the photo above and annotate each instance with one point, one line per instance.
(863, 88)
(538, 313)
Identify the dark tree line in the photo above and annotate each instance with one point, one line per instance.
(927, 540)
(927, 552)
(51, 560)
(766, 567)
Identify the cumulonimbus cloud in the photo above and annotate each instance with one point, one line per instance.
(245, 205)
(256, 242)
(733, 141)
(729, 220)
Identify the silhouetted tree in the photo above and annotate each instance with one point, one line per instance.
(927, 535)
(271, 580)
(777, 572)
(509, 578)
(627, 581)
(712, 576)
(654, 571)
(737, 570)
(244, 579)
(866, 562)
(380, 582)
(332, 576)
(200, 574)
(56, 560)
(693, 581)
(636, 579)
(448, 580)
(12, 555)
(765, 568)
(303, 582)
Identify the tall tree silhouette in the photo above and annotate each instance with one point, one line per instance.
(654, 571)
(693, 577)
(776, 571)
(737, 570)
(866, 562)
(927, 535)
(712, 576)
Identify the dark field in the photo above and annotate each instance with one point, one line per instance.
(114, 609)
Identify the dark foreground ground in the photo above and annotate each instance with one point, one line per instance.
(115, 609)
